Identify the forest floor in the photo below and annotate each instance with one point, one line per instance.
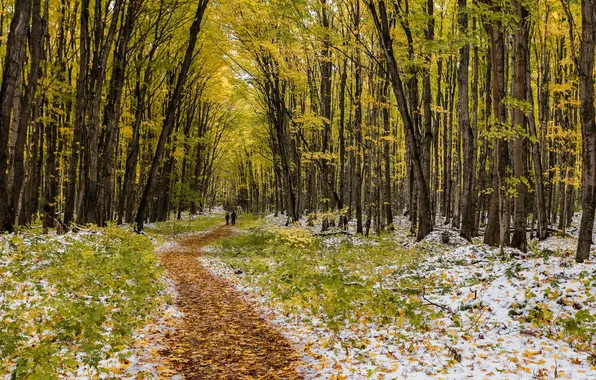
(222, 336)
(86, 305)
(390, 308)
(264, 300)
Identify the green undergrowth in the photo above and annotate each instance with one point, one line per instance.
(185, 225)
(248, 221)
(199, 223)
(72, 301)
(341, 283)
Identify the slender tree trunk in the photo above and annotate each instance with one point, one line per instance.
(495, 233)
(36, 47)
(92, 205)
(80, 114)
(325, 96)
(483, 198)
(427, 139)
(171, 112)
(112, 115)
(475, 187)
(542, 216)
(463, 115)
(358, 167)
(436, 135)
(448, 142)
(586, 80)
(382, 25)
(52, 173)
(387, 156)
(342, 139)
(51, 176)
(519, 238)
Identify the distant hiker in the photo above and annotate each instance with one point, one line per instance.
(227, 218)
(234, 217)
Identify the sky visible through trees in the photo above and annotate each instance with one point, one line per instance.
(474, 114)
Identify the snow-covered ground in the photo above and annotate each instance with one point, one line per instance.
(520, 316)
(513, 317)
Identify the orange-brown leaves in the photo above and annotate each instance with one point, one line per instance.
(222, 337)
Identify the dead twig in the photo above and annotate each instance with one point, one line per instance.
(456, 355)
(431, 303)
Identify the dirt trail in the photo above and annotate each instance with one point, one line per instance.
(222, 337)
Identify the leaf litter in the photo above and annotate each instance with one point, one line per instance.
(222, 336)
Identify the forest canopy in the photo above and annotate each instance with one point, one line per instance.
(474, 114)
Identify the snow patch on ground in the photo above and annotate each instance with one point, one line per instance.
(483, 329)
(560, 244)
(170, 245)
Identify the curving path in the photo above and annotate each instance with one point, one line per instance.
(222, 336)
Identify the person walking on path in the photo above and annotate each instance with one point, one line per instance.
(227, 218)
(234, 216)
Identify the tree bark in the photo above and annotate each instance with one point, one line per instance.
(586, 80)
(91, 204)
(495, 233)
(387, 156)
(384, 30)
(427, 103)
(13, 66)
(168, 123)
(463, 115)
(519, 237)
(325, 97)
(80, 113)
(36, 47)
(112, 115)
(542, 216)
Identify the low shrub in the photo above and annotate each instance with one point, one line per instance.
(69, 302)
(339, 283)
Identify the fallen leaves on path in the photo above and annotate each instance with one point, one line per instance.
(222, 336)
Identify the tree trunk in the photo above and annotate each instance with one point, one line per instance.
(325, 96)
(586, 87)
(112, 115)
(80, 114)
(36, 47)
(383, 28)
(427, 139)
(463, 115)
(519, 237)
(92, 206)
(496, 233)
(168, 123)
(387, 156)
(542, 216)
(13, 66)
(342, 139)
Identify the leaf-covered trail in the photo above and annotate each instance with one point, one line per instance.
(222, 336)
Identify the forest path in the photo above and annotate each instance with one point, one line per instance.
(222, 336)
